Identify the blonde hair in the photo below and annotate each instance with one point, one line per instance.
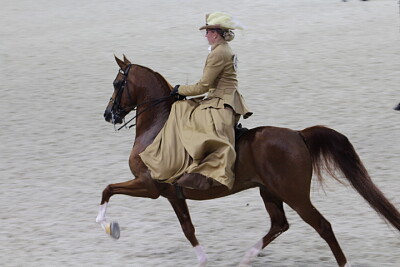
(228, 35)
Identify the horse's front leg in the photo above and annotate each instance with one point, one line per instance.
(182, 212)
(139, 187)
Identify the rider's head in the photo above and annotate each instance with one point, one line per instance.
(219, 26)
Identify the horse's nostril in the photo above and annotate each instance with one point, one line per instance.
(107, 116)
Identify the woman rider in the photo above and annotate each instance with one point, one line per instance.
(196, 147)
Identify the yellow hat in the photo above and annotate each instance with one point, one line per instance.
(222, 21)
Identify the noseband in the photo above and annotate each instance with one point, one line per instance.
(116, 108)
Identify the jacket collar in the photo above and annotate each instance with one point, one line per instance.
(216, 45)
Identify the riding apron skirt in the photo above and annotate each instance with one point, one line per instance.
(194, 140)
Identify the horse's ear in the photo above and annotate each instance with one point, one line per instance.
(126, 60)
(120, 63)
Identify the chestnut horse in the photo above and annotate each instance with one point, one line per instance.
(279, 161)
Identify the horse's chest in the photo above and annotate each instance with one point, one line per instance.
(135, 163)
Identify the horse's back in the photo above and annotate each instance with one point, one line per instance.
(265, 136)
(268, 154)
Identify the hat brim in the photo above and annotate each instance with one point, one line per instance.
(205, 27)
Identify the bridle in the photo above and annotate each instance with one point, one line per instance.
(116, 108)
(119, 85)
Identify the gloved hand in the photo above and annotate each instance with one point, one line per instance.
(175, 90)
(175, 93)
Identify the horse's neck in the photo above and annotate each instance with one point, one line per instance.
(151, 117)
(151, 120)
(147, 128)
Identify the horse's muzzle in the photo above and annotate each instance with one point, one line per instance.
(111, 117)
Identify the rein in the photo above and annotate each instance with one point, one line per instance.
(154, 101)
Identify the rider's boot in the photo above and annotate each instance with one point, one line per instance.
(195, 181)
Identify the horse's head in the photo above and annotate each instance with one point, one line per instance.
(123, 99)
(138, 87)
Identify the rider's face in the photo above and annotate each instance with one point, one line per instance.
(212, 36)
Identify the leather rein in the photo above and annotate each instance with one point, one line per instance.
(120, 86)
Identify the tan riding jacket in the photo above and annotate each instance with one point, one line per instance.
(219, 80)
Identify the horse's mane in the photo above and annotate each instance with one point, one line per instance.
(159, 77)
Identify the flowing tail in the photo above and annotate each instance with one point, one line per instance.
(332, 150)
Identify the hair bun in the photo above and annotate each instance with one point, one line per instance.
(228, 35)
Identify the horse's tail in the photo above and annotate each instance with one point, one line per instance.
(332, 150)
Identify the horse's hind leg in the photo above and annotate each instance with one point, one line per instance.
(312, 216)
(182, 212)
(279, 225)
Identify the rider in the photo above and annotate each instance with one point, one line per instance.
(196, 147)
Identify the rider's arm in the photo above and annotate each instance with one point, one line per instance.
(213, 67)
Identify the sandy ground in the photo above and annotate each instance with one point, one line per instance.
(301, 63)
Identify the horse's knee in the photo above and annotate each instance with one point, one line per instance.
(108, 190)
(107, 193)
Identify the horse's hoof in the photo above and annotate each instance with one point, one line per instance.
(113, 230)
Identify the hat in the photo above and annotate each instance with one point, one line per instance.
(222, 21)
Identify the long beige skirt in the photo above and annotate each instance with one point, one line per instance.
(195, 139)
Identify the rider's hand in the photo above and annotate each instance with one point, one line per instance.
(175, 93)
(175, 90)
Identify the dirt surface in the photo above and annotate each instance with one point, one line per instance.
(301, 63)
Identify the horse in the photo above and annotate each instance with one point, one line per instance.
(279, 161)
